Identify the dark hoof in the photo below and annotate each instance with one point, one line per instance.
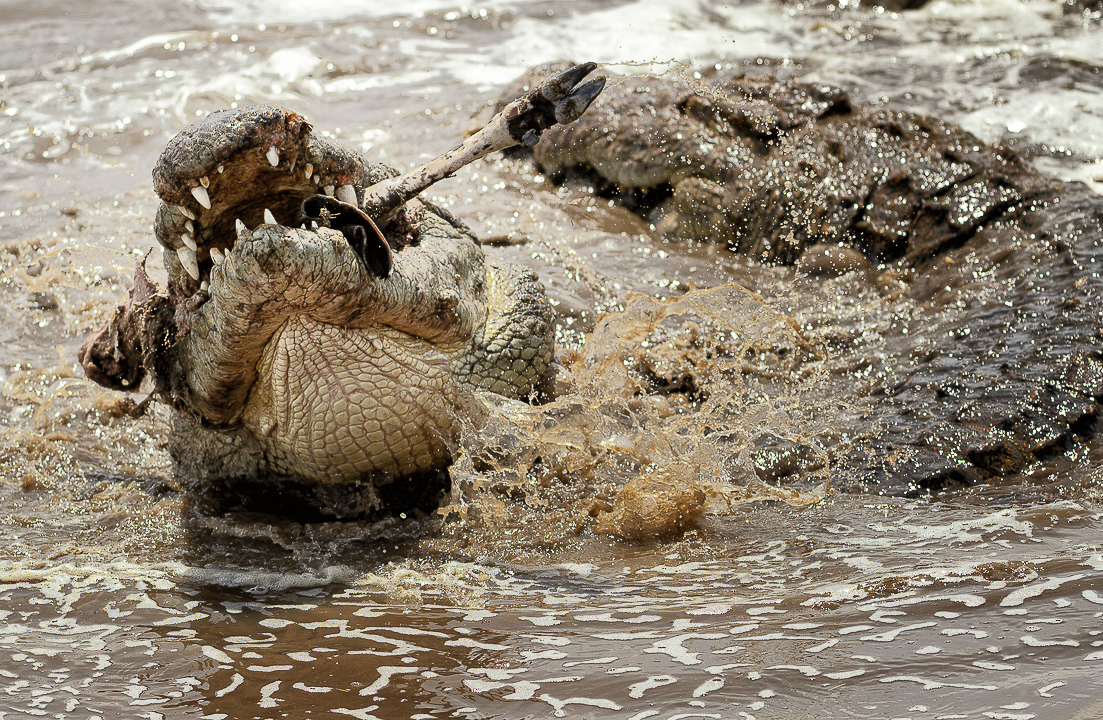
(367, 242)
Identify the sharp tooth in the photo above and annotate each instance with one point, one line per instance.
(205, 181)
(269, 218)
(317, 179)
(204, 286)
(217, 256)
(242, 230)
(273, 156)
(313, 224)
(292, 168)
(189, 225)
(201, 195)
(189, 241)
(189, 261)
(329, 190)
(309, 170)
(346, 194)
(187, 213)
(221, 169)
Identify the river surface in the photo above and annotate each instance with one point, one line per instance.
(122, 597)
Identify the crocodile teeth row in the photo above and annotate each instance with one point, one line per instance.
(188, 252)
(344, 193)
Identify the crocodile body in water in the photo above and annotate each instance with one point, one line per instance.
(310, 355)
(783, 170)
(315, 349)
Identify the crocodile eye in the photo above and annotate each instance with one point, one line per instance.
(367, 242)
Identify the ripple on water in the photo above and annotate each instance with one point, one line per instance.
(770, 635)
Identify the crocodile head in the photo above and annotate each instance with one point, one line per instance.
(239, 169)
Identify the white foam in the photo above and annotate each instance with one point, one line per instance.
(386, 672)
(936, 684)
(235, 683)
(986, 21)
(1045, 691)
(673, 647)
(481, 686)
(951, 632)
(1062, 120)
(891, 635)
(358, 713)
(646, 34)
(973, 530)
(713, 683)
(822, 646)
(312, 688)
(806, 670)
(266, 694)
(1091, 174)
(1031, 641)
(966, 599)
(289, 64)
(1016, 597)
(291, 12)
(636, 690)
(559, 706)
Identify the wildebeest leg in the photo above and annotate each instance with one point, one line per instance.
(557, 100)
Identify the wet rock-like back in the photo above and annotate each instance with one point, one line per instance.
(773, 167)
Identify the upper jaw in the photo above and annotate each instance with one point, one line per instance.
(257, 165)
(253, 166)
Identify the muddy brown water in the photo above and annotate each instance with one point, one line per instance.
(120, 597)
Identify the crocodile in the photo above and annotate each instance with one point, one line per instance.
(322, 324)
(983, 385)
